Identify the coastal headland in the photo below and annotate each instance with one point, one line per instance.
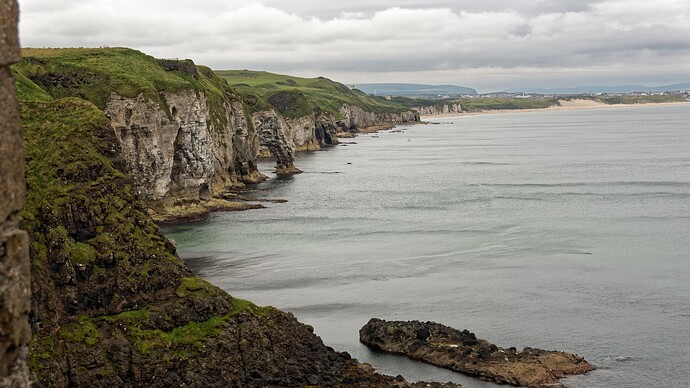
(110, 154)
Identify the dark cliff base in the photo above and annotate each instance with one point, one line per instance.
(463, 352)
(15, 292)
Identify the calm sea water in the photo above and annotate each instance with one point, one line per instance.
(565, 230)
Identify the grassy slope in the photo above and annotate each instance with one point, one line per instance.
(94, 73)
(311, 94)
(479, 104)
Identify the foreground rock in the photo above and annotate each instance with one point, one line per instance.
(15, 279)
(463, 352)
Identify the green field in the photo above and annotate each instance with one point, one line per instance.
(296, 96)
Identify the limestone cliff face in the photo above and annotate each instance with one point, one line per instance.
(15, 281)
(439, 109)
(275, 134)
(309, 133)
(356, 117)
(181, 153)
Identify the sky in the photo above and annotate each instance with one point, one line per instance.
(490, 45)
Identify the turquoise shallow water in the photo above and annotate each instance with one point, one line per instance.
(561, 230)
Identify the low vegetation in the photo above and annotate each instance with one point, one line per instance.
(479, 104)
(295, 96)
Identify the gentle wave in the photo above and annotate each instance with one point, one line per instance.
(585, 184)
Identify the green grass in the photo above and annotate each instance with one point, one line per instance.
(196, 287)
(94, 73)
(83, 330)
(182, 340)
(615, 100)
(261, 89)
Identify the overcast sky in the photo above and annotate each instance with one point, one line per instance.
(489, 44)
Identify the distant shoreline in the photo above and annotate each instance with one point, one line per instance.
(577, 104)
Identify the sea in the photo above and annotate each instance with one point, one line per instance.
(562, 230)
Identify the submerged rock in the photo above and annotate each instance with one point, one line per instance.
(463, 352)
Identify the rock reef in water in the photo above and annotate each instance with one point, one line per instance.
(463, 352)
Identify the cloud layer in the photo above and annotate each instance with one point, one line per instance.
(493, 45)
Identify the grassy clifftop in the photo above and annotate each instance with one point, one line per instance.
(296, 97)
(93, 74)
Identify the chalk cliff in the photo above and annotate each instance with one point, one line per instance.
(275, 133)
(183, 154)
(314, 131)
(183, 132)
(356, 118)
(439, 109)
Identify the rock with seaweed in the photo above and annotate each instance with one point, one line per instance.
(463, 352)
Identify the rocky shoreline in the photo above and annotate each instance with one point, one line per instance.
(463, 352)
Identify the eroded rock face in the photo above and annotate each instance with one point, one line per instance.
(439, 109)
(463, 352)
(310, 133)
(356, 117)
(274, 134)
(15, 281)
(180, 153)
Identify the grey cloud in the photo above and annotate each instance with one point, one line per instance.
(495, 40)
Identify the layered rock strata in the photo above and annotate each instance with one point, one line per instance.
(356, 118)
(274, 134)
(463, 352)
(183, 155)
(439, 109)
(15, 283)
(313, 132)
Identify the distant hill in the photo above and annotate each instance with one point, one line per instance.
(602, 89)
(397, 89)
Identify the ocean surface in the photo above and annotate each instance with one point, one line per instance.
(565, 230)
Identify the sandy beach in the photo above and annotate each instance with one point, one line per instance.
(577, 104)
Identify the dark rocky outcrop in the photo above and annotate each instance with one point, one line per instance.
(15, 291)
(15, 283)
(463, 352)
